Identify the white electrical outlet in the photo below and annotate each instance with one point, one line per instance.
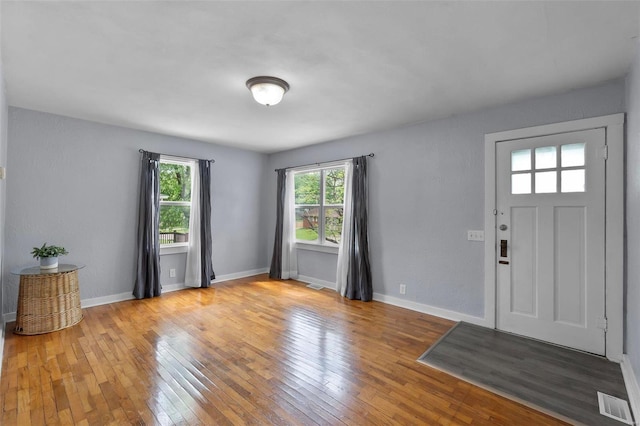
(172, 273)
(403, 289)
(475, 235)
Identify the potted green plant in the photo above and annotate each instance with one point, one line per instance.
(48, 255)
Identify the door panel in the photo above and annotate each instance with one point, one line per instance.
(570, 252)
(550, 201)
(524, 286)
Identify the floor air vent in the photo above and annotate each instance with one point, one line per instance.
(615, 408)
(315, 286)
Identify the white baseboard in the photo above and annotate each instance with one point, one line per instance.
(316, 281)
(431, 310)
(104, 300)
(631, 383)
(167, 288)
(407, 304)
(237, 275)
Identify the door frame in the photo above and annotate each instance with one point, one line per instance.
(614, 218)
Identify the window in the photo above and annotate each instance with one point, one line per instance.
(319, 205)
(175, 201)
(543, 163)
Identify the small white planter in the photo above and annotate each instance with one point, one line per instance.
(48, 262)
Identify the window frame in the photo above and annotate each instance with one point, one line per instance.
(174, 248)
(321, 244)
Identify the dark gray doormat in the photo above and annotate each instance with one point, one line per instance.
(557, 381)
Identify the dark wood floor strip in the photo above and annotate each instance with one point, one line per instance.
(548, 377)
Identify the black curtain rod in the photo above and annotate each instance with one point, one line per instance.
(324, 162)
(178, 156)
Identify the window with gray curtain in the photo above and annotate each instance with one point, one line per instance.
(147, 282)
(359, 282)
(206, 245)
(148, 242)
(276, 259)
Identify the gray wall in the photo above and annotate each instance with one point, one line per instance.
(3, 163)
(75, 183)
(427, 190)
(632, 261)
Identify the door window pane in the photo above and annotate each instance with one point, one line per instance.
(546, 182)
(546, 157)
(573, 180)
(520, 160)
(572, 155)
(521, 183)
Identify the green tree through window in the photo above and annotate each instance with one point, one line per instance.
(319, 199)
(175, 201)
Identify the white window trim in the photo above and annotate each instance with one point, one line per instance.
(176, 203)
(323, 248)
(176, 248)
(320, 166)
(321, 245)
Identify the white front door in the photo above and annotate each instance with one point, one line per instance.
(550, 202)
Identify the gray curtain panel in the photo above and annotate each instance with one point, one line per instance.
(206, 245)
(276, 259)
(359, 284)
(148, 246)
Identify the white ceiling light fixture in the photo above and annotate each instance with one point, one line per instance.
(267, 90)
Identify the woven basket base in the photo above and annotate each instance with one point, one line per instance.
(48, 302)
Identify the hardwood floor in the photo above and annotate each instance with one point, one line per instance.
(249, 351)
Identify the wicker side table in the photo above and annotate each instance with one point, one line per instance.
(48, 300)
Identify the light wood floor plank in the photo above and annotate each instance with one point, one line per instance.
(250, 351)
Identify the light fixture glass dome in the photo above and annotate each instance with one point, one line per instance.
(267, 90)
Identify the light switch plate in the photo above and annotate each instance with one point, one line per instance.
(475, 235)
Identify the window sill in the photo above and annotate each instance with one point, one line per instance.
(174, 249)
(323, 248)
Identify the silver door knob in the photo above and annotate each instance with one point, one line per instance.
(503, 227)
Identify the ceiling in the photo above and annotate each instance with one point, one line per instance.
(180, 68)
